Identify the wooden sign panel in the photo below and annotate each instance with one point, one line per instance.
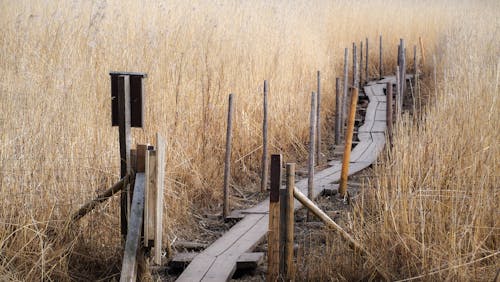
(136, 97)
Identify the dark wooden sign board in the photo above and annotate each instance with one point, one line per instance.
(136, 98)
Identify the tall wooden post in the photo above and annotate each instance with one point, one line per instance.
(273, 235)
(348, 143)
(415, 65)
(344, 98)
(125, 142)
(389, 111)
(338, 112)
(312, 133)
(227, 166)
(354, 65)
(361, 63)
(265, 166)
(288, 271)
(398, 93)
(318, 120)
(366, 62)
(422, 51)
(402, 70)
(380, 63)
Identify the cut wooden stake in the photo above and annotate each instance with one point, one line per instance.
(361, 63)
(344, 97)
(348, 143)
(415, 65)
(312, 133)
(265, 165)
(354, 65)
(289, 222)
(89, 206)
(338, 112)
(227, 166)
(318, 120)
(380, 64)
(398, 93)
(366, 62)
(273, 247)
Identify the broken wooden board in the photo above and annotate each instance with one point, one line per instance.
(219, 261)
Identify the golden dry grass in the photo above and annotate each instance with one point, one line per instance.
(57, 144)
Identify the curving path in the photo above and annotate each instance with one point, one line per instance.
(218, 262)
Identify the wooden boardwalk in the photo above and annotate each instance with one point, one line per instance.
(218, 261)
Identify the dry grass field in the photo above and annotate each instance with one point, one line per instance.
(435, 209)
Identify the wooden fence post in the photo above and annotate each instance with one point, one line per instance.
(312, 133)
(361, 63)
(354, 65)
(338, 112)
(344, 98)
(318, 120)
(422, 51)
(160, 185)
(273, 235)
(227, 166)
(265, 166)
(288, 272)
(398, 92)
(389, 111)
(125, 142)
(402, 70)
(380, 63)
(415, 65)
(348, 143)
(366, 63)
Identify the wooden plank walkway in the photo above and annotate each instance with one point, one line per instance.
(218, 261)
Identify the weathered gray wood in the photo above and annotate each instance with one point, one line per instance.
(344, 97)
(318, 119)
(265, 165)
(312, 133)
(288, 245)
(129, 265)
(415, 64)
(227, 164)
(389, 112)
(125, 142)
(248, 261)
(149, 197)
(367, 78)
(338, 114)
(354, 65)
(218, 262)
(160, 185)
(361, 63)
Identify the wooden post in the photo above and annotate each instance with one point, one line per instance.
(422, 51)
(265, 166)
(389, 111)
(288, 272)
(402, 70)
(366, 62)
(129, 264)
(338, 112)
(312, 133)
(227, 166)
(361, 63)
(125, 142)
(348, 143)
(318, 120)
(381, 65)
(344, 98)
(398, 93)
(160, 184)
(415, 65)
(354, 65)
(273, 235)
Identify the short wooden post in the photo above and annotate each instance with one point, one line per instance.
(338, 112)
(125, 142)
(344, 97)
(312, 133)
(422, 51)
(366, 62)
(273, 235)
(288, 271)
(348, 143)
(361, 63)
(227, 166)
(389, 111)
(380, 63)
(354, 65)
(318, 120)
(265, 165)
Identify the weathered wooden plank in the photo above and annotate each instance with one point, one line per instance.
(149, 197)
(249, 260)
(160, 185)
(265, 165)
(129, 265)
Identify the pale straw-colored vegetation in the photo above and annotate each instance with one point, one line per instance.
(57, 146)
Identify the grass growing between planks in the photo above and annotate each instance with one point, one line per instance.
(57, 147)
(431, 210)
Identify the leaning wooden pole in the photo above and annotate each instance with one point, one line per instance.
(265, 165)
(318, 119)
(227, 164)
(101, 197)
(312, 133)
(348, 143)
(338, 112)
(273, 235)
